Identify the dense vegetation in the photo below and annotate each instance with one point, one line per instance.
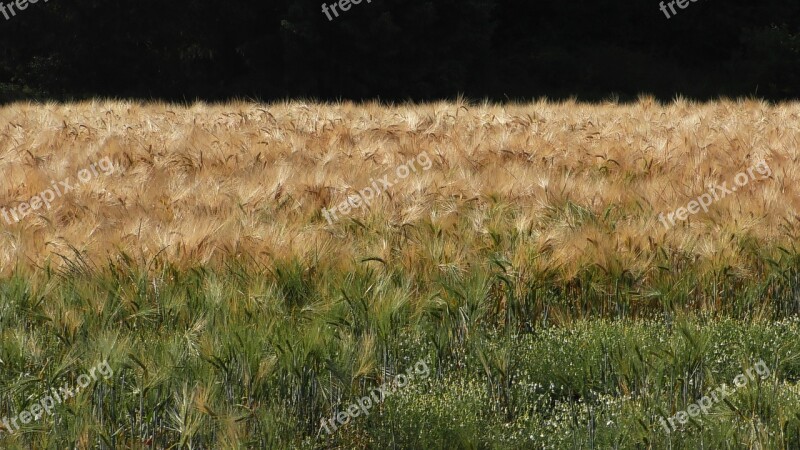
(398, 49)
(255, 357)
(527, 267)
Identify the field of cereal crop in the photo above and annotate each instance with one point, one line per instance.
(542, 275)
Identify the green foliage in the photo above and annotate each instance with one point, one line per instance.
(247, 357)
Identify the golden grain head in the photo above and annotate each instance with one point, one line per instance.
(196, 184)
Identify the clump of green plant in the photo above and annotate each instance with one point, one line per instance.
(258, 356)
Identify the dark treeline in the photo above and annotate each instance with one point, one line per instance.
(399, 49)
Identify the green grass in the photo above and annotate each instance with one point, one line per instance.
(254, 357)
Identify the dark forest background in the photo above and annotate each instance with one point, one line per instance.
(399, 49)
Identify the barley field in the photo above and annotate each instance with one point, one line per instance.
(532, 261)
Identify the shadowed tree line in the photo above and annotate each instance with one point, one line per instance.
(399, 49)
